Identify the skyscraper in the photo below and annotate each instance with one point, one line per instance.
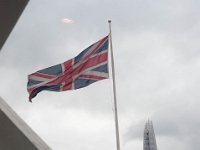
(149, 141)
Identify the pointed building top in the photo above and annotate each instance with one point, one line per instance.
(149, 141)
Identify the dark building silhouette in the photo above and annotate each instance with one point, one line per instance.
(149, 141)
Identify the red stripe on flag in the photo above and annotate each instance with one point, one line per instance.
(68, 86)
(90, 63)
(92, 77)
(37, 74)
(68, 65)
(96, 48)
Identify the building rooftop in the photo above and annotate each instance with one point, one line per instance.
(10, 11)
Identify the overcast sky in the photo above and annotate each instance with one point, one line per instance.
(157, 61)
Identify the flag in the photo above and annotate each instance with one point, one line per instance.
(89, 66)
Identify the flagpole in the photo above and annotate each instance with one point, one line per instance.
(114, 89)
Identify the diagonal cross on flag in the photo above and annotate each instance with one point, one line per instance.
(89, 66)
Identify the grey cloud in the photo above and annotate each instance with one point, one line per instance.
(156, 49)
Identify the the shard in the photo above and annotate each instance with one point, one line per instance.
(149, 141)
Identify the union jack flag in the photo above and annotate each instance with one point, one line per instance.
(89, 66)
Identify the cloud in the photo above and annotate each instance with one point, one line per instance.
(156, 51)
(67, 21)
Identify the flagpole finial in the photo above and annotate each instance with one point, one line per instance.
(109, 21)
